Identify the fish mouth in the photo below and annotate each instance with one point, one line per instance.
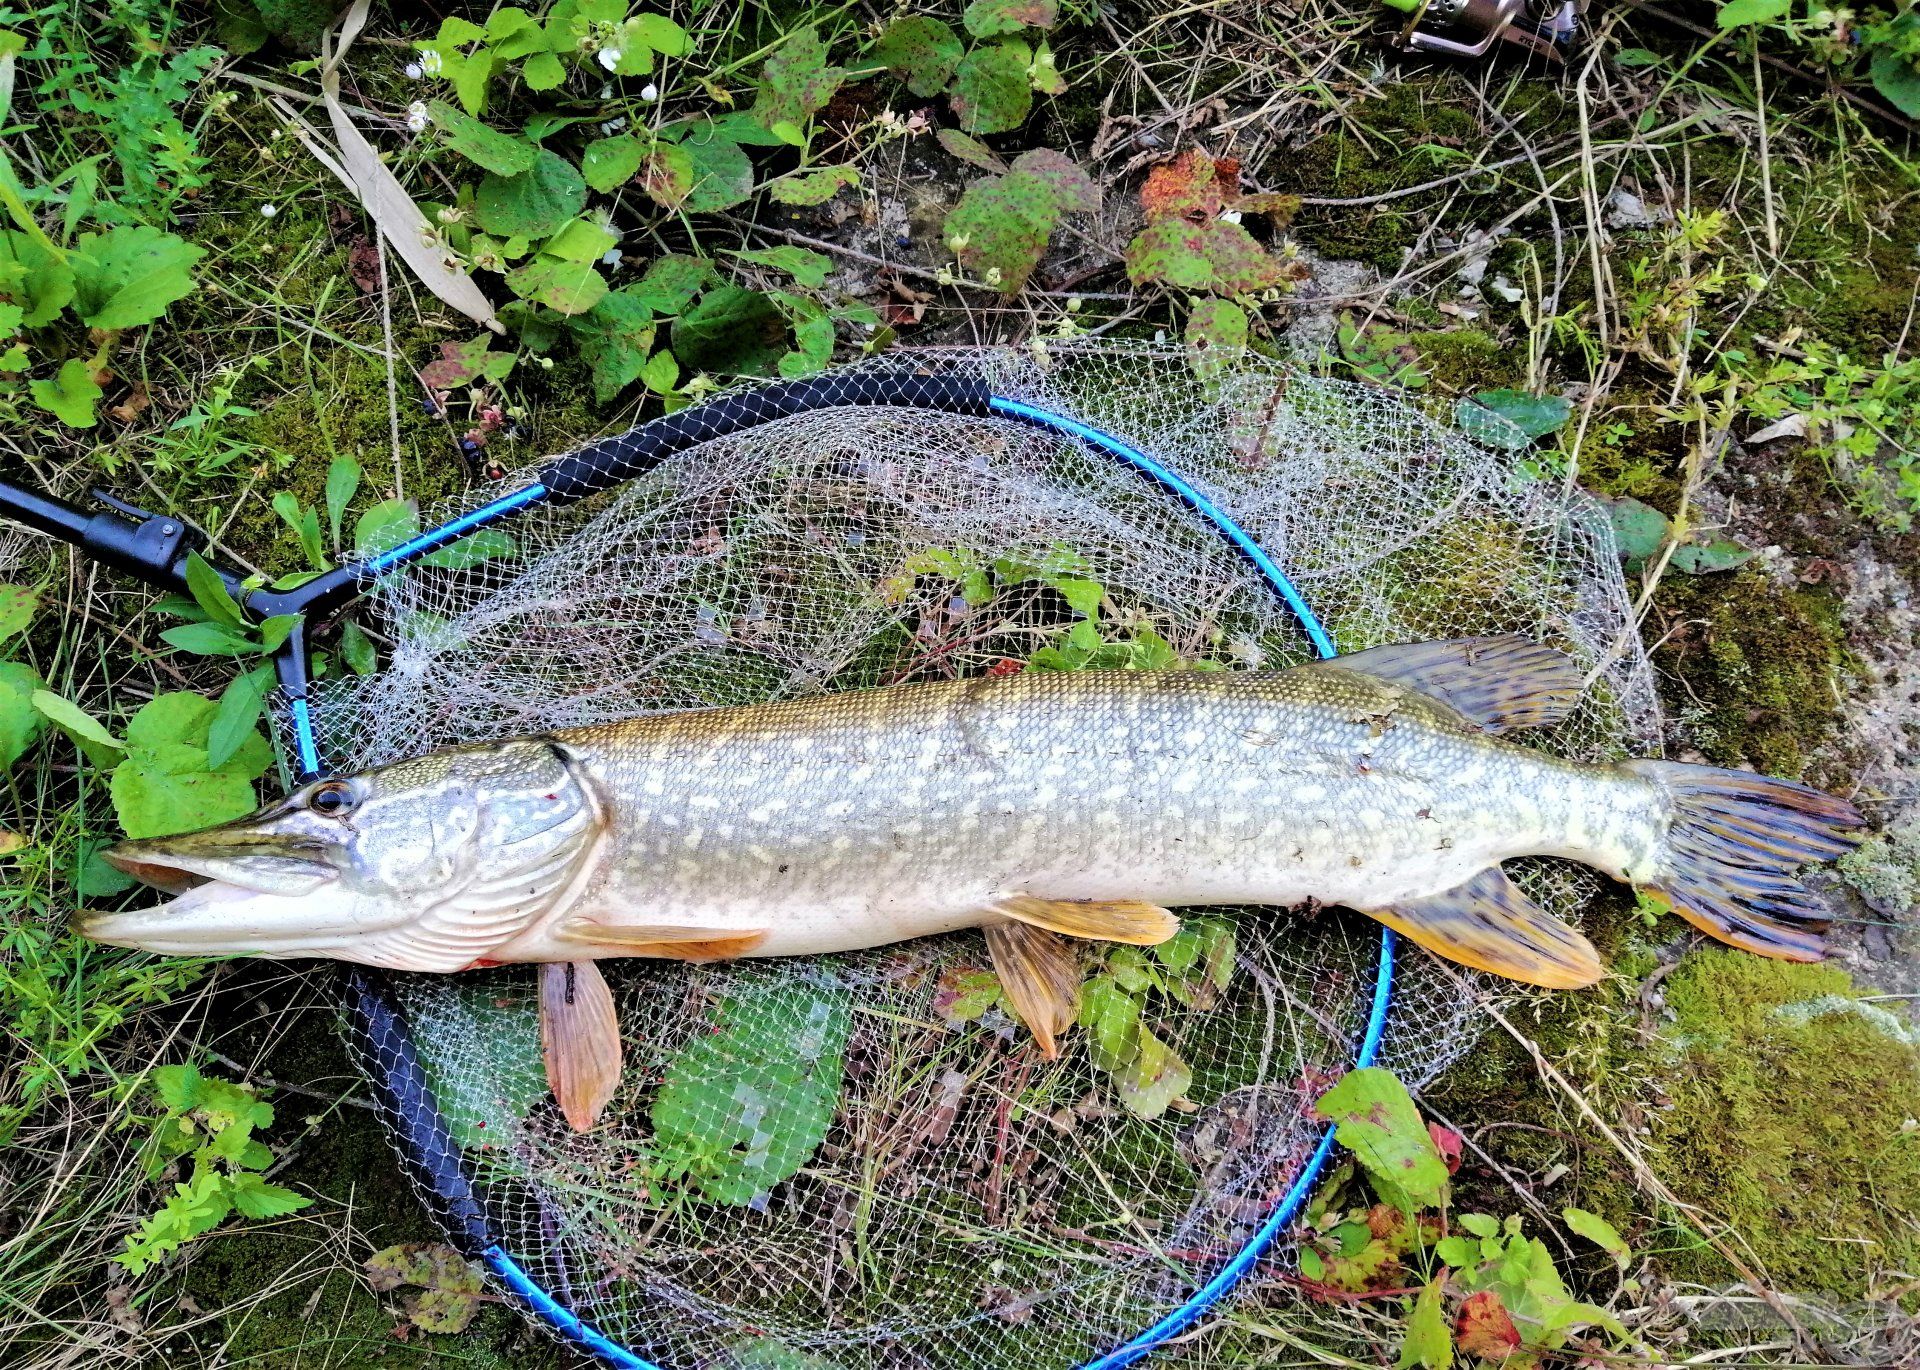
(234, 891)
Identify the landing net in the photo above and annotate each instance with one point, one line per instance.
(859, 1160)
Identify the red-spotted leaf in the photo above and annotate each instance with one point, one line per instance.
(992, 18)
(1191, 186)
(920, 51)
(991, 93)
(1449, 1144)
(1216, 336)
(1484, 1328)
(1374, 1118)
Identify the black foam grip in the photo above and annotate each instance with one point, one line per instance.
(610, 461)
(406, 1104)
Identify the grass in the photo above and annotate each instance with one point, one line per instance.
(1661, 232)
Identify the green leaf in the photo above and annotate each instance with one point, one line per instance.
(581, 240)
(483, 146)
(343, 483)
(669, 175)
(383, 527)
(808, 268)
(1429, 1343)
(505, 1077)
(971, 150)
(732, 332)
(614, 337)
(178, 1087)
(450, 1285)
(20, 721)
(210, 639)
(211, 594)
(543, 71)
(489, 544)
(567, 287)
(159, 793)
(796, 80)
(608, 163)
(919, 50)
(356, 648)
(17, 606)
(814, 187)
(128, 276)
(990, 89)
(1638, 528)
(256, 1198)
(1112, 1018)
(1210, 255)
(38, 281)
(999, 230)
(992, 18)
(533, 204)
(658, 32)
(70, 396)
(1703, 558)
(1216, 336)
(1155, 1076)
(1896, 77)
(241, 705)
(744, 1106)
(1511, 419)
(722, 171)
(671, 283)
(661, 373)
(1479, 1224)
(1375, 1119)
(1599, 1231)
(1740, 13)
(76, 721)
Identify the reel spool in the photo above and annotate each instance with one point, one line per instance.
(1469, 28)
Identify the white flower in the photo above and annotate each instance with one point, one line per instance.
(268, 211)
(606, 92)
(609, 57)
(612, 257)
(417, 117)
(1230, 216)
(429, 62)
(613, 126)
(414, 71)
(650, 92)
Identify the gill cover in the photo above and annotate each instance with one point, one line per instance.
(427, 864)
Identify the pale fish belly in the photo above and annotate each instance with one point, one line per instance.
(859, 820)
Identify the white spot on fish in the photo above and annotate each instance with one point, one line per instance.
(1308, 794)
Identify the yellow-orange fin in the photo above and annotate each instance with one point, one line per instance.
(1100, 920)
(1039, 973)
(1490, 925)
(579, 1039)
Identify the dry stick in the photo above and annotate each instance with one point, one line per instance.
(1766, 159)
(1642, 1173)
(393, 384)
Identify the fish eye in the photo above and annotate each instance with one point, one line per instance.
(331, 799)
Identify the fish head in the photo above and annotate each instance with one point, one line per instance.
(426, 864)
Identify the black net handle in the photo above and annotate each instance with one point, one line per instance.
(612, 461)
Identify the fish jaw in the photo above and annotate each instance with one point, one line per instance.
(220, 918)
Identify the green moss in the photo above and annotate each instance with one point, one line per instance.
(1790, 1118)
(1755, 673)
(1466, 360)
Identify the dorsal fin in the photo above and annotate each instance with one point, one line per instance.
(1495, 683)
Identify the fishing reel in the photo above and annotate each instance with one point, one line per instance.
(1468, 28)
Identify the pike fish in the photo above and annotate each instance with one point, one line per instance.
(1041, 808)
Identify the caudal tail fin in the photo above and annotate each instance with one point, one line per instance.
(1736, 840)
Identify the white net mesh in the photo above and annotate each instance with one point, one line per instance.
(858, 1160)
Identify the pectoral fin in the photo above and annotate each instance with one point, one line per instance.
(670, 942)
(1100, 920)
(1490, 925)
(1040, 974)
(579, 1038)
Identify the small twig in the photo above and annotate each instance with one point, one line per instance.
(250, 1076)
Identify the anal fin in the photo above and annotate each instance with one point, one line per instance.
(579, 1039)
(662, 941)
(1101, 920)
(1490, 925)
(1039, 973)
